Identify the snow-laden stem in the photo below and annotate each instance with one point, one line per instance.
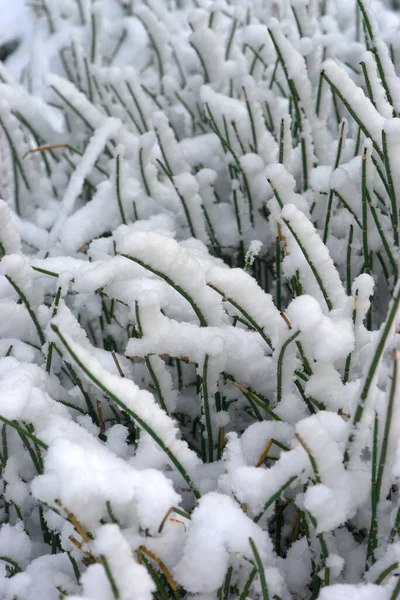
(70, 105)
(247, 585)
(379, 465)
(254, 398)
(290, 82)
(310, 402)
(347, 103)
(320, 536)
(126, 107)
(275, 497)
(202, 62)
(395, 529)
(373, 366)
(375, 48)
(252, 124)
(281, 141)
(386, 245)
(51, 344)
(257, 57)
(148, 361)
(368, 82)
(231, 38)
(34, 454)
(110, 577)
(143, 174)
(17, 166)
(391, 190)
(346, 373)
(311, 458)
(279, 372)
(152, 27)
(138, 106)
(236, 168)
(332, 191)
(130, 412)
(160, 585)
(260, 569)
(276, 193)
(15, 566)
(28, 307)
(185, 207)
(178, 288)
(364, 192)
(373, 530)
(278, 274)
(81, 12)
(388, 424)
(386, 572)
(251, 321)
(73, 376)
(50, 20)
(396, 591)
(24, 431)
(142, 550)
(176, 510)
(3, 462)
(206, 411)
(304, 162)
(324, 552)
(291, 227)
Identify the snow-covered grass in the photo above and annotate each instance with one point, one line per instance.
(199, 296)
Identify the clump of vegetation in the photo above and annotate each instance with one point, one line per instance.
(199, 392)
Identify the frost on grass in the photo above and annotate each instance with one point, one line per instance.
(199, 240)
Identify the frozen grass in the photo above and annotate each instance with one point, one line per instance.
(199, 389)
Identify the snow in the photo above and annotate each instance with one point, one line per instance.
(208, 46)
(325, 385)
(238, 352)
(284, 182)
(15, 25)
(305, 313)
(218, 528)
(94, 148)
(318, 256)
(139, 401)
(255, 486)
(166, 256)
(381, 48)
(298, 565)
(253, 251)
(379, 98)
(42, 578)
(244, 291)
(330, 338)
(68, 463)
(15, 544)
(256, 437)
(330, 501)
(133, 579)
(9, 237)
(158, 34)
(297, 72)
(354, 592)
(90, 221)
(361, 105)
